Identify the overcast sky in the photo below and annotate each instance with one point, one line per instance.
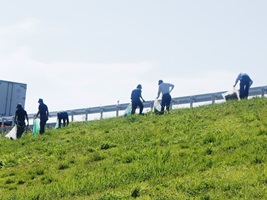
(86, 53)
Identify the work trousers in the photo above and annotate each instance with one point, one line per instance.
(20, 129)
(65, 122)
(42, 125)
(166, 102)
(244, 87)
(136, 104)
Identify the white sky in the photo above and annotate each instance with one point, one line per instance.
(86, 53)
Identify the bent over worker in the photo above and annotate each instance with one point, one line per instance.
(63, 116)
(245, 84)
(165, 89)
(136, 95)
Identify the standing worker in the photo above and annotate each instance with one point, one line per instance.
(165, 89)
(63, 115)
(245, 83)
(20, 117)
(43, 111)
(136, 102)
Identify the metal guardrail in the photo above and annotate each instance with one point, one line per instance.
(210, 97)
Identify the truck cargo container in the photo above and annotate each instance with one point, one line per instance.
(11, 93)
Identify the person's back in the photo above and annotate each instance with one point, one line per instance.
(43, 110)
(164, 88)
(64, 115)
(136, 94)
(20, 117)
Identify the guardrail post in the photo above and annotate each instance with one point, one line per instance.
(101, 113)
(151, 105)
(262, 92)
(86, 114)
(117, 108)
(213, 98)
(175, 102)
(72, 116)
(191, 101)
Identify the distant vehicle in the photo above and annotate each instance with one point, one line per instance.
(11, 93)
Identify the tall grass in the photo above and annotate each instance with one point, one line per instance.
(208, 152)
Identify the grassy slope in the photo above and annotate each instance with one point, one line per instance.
(209, 152)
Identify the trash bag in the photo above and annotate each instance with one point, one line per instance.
(12, 134)
(57, 125)
(157, 106)
(232, 94)
(128, 110)
(36, 126)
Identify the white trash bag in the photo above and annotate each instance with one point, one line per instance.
(157, 106)
(232, 94)
(12, 133)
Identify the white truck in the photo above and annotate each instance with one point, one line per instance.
(11, 93)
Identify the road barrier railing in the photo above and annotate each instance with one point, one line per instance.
(210, 98)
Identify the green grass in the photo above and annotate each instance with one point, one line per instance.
(214, 151)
